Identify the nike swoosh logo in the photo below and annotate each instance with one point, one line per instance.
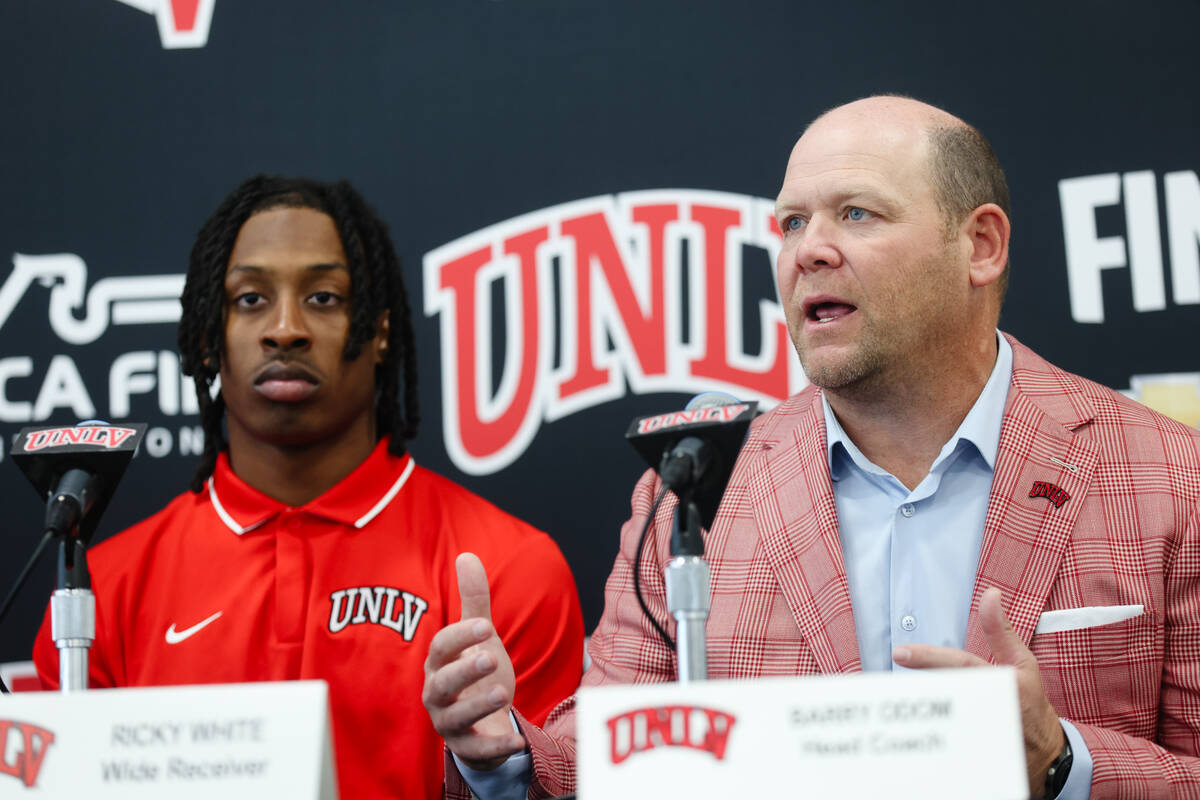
(175, 637)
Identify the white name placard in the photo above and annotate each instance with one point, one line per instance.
(234, 741)
(929, 734)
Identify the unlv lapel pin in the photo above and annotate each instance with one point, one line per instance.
(1049, 491)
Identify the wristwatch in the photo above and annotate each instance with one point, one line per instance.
(1056, 777)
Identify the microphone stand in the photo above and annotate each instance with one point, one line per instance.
(696, 468)
(73, 614)
(75, 469)
(686, 467)
(688, 600)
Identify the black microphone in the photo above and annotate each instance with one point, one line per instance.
(76, 469)
(694, 450)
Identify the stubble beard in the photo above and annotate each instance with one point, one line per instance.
(887, 352)
(854, 373)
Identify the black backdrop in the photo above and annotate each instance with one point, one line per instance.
(456, 115)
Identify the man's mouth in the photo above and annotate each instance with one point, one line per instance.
(823, 311)
(286, 383)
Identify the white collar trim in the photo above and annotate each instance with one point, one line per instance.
(220, 509)
(232, 524)
(229, 521)
(387, 498)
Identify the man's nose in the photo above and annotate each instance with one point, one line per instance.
(817, 246)
(286, 328)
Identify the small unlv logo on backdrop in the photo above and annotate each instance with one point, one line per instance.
(645, 289)
(23, 747)
(1141, 248)
(181, 23)
(669, 726)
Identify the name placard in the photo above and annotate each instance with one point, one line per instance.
(248, 740)
(928, 734)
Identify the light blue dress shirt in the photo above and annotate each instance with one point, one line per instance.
(509, 781)
(910, 557)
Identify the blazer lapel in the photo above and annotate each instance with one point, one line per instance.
(794, 510)
(1043, 471)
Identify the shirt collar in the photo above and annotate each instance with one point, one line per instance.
(355, 500)
(981, 427)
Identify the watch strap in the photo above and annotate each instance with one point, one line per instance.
(1056, 776)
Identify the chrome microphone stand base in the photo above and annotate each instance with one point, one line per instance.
(687, 579)
(73, 616)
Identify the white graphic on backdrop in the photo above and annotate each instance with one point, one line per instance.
(1141, 248)
(142, 383)
(133, 300)
(181, 23)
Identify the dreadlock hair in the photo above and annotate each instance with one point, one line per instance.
(376, 285)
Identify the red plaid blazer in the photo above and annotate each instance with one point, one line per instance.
(1128, 534)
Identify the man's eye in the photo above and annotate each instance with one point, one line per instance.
(248, 299)
(325, 298)
(857, 214)
(793, 224)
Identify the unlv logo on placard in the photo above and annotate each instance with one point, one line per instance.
(669, 726)
(602, 282)
(23, 748)
(181, 23)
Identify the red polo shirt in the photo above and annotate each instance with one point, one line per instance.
(229, 585)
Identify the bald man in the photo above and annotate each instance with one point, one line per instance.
(939, 497)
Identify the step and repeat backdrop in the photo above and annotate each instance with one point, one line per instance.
(580, 193)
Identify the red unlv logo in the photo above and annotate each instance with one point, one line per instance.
(676, 419)
(97, 435)
(645, 290)
(27, 754)
(669, 726)
(181, 23)
(1049, 491)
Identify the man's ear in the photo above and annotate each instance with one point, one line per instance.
(382, 332)
(987, 230)
(211, 363)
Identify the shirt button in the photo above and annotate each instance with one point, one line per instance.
(293, 523)
(908, 509)
(908, 622)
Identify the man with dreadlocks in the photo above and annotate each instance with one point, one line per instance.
(310, 544)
